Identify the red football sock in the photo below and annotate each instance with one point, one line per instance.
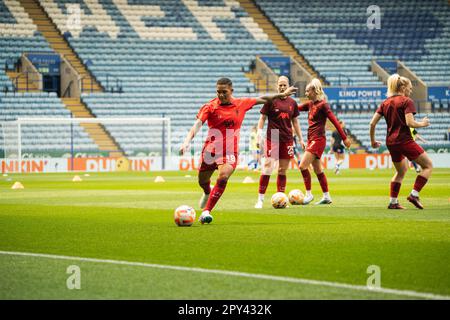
(395, 189)
(263, 183)
(420, 183)
(206, 187)
(281, 183)
(306, 179)
(323, 181)
(216, 193)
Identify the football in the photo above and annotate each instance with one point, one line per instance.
(296, 197)
(184, 216)
(279, 200)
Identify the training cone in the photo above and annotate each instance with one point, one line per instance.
(17, 185)
(159, 179)
(76, 179)
(248, 180)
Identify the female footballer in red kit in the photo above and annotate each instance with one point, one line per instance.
(224, 115)
(318, 113)
(398, 110)
(282, 116)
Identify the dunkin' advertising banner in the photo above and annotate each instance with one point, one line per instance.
(353, 161)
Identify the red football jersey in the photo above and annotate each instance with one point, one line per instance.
(224, 122)
(280, 113)
(319, 111)
(393, 109)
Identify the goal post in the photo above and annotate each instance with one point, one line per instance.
(72, 138)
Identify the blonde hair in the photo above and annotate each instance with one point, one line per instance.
(395, 83)
(317, 86)
(283, 78)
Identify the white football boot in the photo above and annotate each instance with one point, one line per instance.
(259, 204)
(308, 199)
(205, 217)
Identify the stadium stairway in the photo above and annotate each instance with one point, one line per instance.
(258, 80)
(59, 44)
(21, 83)
(96, 131)
(276, 36)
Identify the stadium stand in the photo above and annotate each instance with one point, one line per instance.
(162, 58)
(339, 29)
(334, 38)
(163, 72)
(19, 35)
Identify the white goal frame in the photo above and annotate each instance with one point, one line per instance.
(55, 120)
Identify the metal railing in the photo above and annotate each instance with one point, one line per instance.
(28, 82)
(111, 84)
(67, 92)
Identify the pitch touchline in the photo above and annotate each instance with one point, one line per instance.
(237, 274)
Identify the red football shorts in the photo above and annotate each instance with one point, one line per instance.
(317, 146)
(280, 150)
(410, 150)
(209, 161)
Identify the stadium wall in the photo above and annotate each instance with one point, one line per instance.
(148, 164)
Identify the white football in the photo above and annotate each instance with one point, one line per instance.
(184, 216)
(279, 200)
(296, 197)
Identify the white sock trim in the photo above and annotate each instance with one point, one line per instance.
(415, 193)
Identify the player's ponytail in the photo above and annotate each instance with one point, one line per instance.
(317, 86)
(395, 83)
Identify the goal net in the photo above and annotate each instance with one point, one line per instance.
(61, 142)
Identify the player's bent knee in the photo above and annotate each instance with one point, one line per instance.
(304, 167)
(430, 164)
(224, 176)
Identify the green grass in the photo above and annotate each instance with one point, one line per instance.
(126, 216)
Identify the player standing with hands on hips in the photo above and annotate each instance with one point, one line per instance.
(318, 113)
(398, 110)
(279, 144)
(224, 115)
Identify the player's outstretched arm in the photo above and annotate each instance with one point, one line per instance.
(267, 98)
(412, 123)
(373, 124)
(419, 137)
(192, 132)
(298, 132)
(261, 121)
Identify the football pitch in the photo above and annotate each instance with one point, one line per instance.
(117, 231)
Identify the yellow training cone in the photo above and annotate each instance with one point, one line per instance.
(76, 179)
(17, 185)
(159, 179)
(248, 180)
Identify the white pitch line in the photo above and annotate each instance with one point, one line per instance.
(408, 293)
